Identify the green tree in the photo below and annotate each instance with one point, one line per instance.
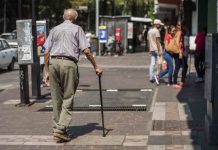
(52, 10)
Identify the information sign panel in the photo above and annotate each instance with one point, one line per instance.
(24, 39)
(102, 34)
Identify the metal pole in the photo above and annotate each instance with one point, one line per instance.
(24, 85)
(19, 9)
(97, 24)
(97, 17)
(102, 107)
(5, 11)
(35, 69)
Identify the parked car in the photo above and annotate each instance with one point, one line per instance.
(11, 38)
(8, 55)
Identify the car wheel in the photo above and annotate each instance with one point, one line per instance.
(11, 66)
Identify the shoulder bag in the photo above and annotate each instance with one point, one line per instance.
(172, 46)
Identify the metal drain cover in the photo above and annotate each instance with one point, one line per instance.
(91, 108)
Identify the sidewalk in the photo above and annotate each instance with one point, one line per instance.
(136, 60)
(175, 120)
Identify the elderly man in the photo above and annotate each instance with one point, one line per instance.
(63, 45)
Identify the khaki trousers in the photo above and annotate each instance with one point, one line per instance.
(64, 79)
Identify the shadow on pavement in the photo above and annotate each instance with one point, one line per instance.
(191, 96)
(85, 129)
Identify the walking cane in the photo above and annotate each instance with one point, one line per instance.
(102, 109)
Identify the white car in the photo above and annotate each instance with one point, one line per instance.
(11, 38)
(8, 55)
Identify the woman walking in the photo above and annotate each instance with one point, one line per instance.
(167, 56)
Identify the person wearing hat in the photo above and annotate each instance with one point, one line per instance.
(154, 47)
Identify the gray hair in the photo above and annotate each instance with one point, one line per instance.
(70, 14)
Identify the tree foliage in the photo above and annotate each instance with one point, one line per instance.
(53, 10)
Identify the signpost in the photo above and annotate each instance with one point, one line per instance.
(25, 57)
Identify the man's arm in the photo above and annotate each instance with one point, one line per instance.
(158, 44)
(46, 61)
(89, 56)
(148, 46)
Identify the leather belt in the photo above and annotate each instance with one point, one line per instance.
(65, 58)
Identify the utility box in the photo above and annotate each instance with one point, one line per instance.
(211, 88)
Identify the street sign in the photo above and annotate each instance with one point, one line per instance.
(24, 39)
(102, 34)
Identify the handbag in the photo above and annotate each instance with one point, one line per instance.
(172, 46)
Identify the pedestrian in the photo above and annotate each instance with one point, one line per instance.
(154, 47)
(200, 55)
(63, 45)
(167, 57)
(180, 59)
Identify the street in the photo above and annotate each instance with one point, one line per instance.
(168, 118)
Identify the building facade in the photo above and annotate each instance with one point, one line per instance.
(173, 11)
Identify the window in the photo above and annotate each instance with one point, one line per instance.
(5, 44)
(1, 46)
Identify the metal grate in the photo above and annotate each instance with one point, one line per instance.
(116, 108)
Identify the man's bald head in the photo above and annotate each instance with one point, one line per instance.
(70, 14)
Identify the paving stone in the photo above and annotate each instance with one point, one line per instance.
(10, 147)
(192, 147)
(172, 112)
(157, 133)
(167, 125)
(11, 143)
(185, 140)
(184, 112)
(174, 147)
(156, 147)
(187, 132)
(159, 111)
(98, 140)
(43, 143)
(160, 140)
(193, 125)
(136, 140)
(173, 133)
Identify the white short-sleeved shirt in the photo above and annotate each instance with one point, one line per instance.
(153, 33)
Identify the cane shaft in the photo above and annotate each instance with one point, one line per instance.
(102, 107)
